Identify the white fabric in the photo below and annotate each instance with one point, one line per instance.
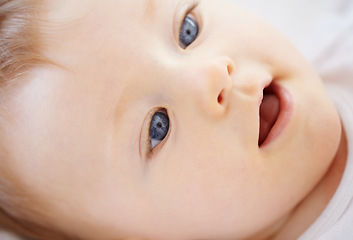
(311, 25)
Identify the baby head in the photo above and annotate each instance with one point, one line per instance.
(157, 119)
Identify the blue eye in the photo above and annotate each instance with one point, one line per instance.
(159, 127)
(189, 31)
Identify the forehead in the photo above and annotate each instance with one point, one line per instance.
(62, 10)
(102, 28)
(118, 13)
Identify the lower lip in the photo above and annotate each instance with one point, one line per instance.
(286, 110)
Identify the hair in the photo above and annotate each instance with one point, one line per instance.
(18, 39)
(19, 43)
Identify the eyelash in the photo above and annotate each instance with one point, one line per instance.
(191, 6)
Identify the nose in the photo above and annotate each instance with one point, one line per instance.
(212, 84)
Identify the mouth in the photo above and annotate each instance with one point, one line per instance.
(275, 111)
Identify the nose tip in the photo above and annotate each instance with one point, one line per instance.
(218, 83)
(228, 63)
(226, 68)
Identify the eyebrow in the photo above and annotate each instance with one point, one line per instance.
(149, 9)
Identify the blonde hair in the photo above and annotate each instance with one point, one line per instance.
(19, 41)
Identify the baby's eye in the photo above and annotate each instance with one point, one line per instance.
(189, 31)
(159, 127)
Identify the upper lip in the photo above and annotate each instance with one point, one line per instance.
(264, 85)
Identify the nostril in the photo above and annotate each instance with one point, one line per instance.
(229, 69)
(220, 97)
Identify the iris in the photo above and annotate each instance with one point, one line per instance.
(188, 32)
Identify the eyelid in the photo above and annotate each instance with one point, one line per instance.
(182, 13)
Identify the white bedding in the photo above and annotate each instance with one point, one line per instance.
(314, 26)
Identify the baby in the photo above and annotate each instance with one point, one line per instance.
(162, 119)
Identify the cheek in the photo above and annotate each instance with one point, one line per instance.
(210, 163)
(54, 144)
(206, 185)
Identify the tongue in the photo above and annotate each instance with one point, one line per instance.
(269, 111)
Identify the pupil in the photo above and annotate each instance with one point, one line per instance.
(159, 124)
(188, 32)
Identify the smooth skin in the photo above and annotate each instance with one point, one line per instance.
(79, 134)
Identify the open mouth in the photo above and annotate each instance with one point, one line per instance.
(270, 109)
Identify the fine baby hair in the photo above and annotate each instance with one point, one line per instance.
(18, 47)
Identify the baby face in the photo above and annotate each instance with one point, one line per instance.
(149, 123)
